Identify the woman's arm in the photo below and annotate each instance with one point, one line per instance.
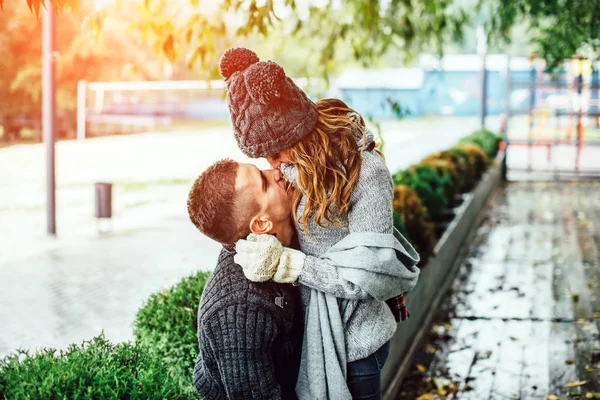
(340, 273)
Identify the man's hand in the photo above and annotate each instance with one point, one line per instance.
(262, 257)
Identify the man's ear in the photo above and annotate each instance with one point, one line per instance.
(260, 225)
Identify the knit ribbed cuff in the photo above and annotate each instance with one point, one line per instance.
(290, 265)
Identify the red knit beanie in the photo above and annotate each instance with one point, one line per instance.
(269, 112)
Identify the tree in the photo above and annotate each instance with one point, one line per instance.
(199, 31)
(559, 29)
(83, 52)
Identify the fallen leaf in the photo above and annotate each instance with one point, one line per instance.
(467, 388)
(429, 396)
(440, 382)
(421, 368)
(514, 339)
(552, 397)
(430, 349)
(575, 384)
(569, 362)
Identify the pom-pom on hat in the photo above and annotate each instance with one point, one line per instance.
(269, 112)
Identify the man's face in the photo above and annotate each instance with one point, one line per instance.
(273, 194)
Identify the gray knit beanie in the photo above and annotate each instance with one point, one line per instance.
(269, 112)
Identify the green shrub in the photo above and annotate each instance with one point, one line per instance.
(415, 218)
(429, 185)
(95, 370)
(477, 158)
(485, 139)
(447, 170)
(399, 224)
(466, 165)
(166, 325)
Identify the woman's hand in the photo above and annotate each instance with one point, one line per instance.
(262, 257)
(258, 255)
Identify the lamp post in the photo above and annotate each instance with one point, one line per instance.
(482, 50)
(49, 110)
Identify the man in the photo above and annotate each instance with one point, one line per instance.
(250, 334)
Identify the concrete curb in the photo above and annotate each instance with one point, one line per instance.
(435, 278)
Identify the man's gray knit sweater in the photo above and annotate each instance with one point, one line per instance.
(368, 322)
(250, 337)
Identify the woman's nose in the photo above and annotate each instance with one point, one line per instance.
(276, 175)
(275, 163)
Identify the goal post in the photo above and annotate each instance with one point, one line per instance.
(141, 101)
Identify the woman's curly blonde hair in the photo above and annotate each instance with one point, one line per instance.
(328, 163)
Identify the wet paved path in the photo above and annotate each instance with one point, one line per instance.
(523, 318)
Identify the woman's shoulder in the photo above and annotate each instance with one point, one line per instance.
(373, 165)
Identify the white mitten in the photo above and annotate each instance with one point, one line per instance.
(290, 265)
(258, 255)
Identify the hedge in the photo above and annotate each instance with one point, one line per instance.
(419, 228)
(486, 139)
(158, 366)
(96, 369)
(436, 181)
(166, 325)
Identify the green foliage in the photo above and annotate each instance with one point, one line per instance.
(95, 370)
(83, 52)
(448, 172)
(399, 223)
(422, 192)
(366, 29)
(478, 160)
(416, 220)
(485, 139)
(166, 326)
(429, 185)
(560, 29)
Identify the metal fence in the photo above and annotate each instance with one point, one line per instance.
(558, 134)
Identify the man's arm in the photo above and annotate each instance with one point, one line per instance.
(241, 338)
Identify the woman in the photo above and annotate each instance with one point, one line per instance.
(351, 259)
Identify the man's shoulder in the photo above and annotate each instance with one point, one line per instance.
(228, 287)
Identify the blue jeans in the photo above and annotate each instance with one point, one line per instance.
(364, 376)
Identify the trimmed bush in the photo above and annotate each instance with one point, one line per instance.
(477, 157)
(461, 162)
(167, 326)
(485, 139)
(95, 370)
(429, 186)
(419, 227)
(399, 224)
(447, 170)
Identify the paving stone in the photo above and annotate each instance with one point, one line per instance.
(525, 303)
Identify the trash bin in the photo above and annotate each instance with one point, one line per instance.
(103, 200)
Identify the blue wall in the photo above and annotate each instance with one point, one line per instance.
(442, 92)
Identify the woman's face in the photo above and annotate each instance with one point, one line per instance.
(277, 159)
